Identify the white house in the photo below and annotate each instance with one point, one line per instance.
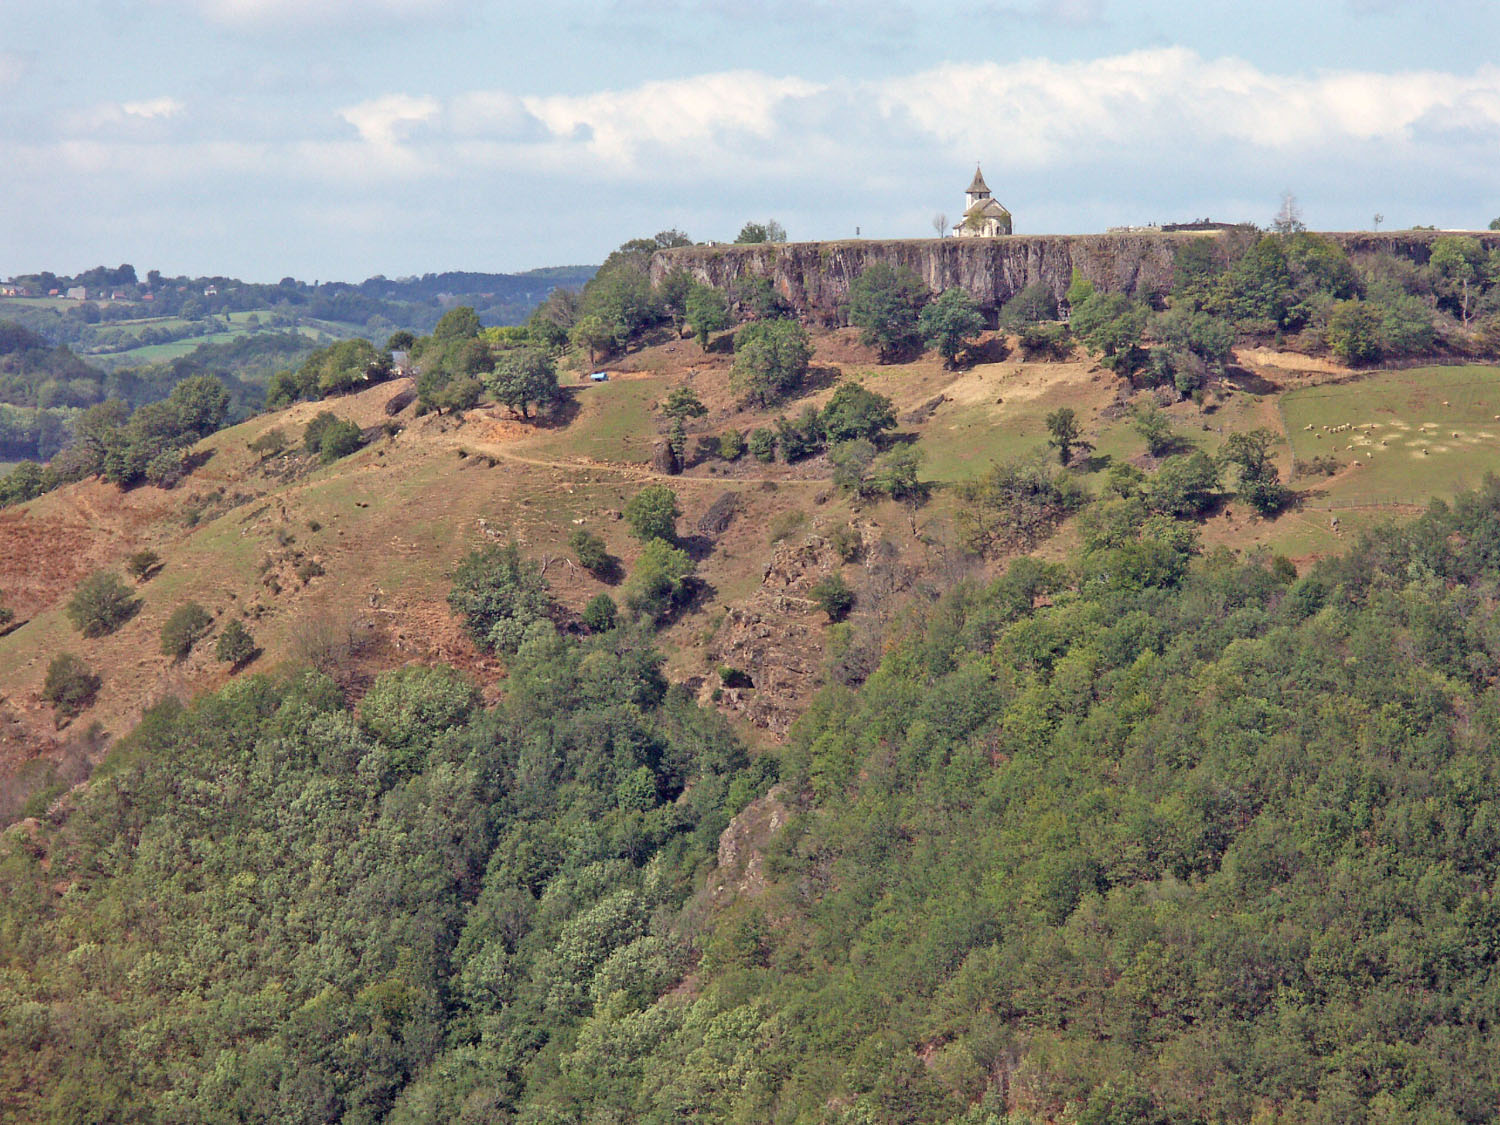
(983, 215)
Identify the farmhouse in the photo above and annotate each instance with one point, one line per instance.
(983, 215)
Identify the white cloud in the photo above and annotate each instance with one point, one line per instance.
(1039, 112)
(154, 107)
(134, 117)
(386, 122)
(708, 110)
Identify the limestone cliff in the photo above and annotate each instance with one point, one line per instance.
(815, 276)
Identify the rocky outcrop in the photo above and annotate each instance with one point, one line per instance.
(741, 871)
(815, 276)
(775, 639)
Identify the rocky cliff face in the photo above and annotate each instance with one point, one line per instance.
(815, 276)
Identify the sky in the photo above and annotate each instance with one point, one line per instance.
(341, 139)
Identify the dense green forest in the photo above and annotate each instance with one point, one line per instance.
(1148, 838)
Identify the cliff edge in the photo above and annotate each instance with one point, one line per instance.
(815, 276)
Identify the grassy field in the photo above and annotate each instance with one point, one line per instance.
(614, 423)
(1415, 434)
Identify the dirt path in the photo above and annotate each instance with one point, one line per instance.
(635, 472)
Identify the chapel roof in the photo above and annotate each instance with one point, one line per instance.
(978, 185)
(986, 207)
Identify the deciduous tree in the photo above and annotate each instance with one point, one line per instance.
(950, 324)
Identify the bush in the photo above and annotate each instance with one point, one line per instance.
(500, 596)
(846, 542)
(142, 564)
(101, 604)
(1030, 306)
(1353, 333)
(1045, 341)
(833, 596)
(184, 628)
(770, 360)
(659, 582)
(70, 685)
(339, 440)
(731, 445)
(312, 436)
(165, 469)
(593, 554)
(652, 513)
(7, 615)
(734, 678)
(600, 614)
(269, 444)
(762, 444)
(236, 646)
(1013, 506)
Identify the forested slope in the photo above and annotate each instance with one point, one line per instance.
(1128, 841)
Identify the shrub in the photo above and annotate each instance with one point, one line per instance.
(308, 569)
(802, 437)
(408, 707)
(1353, 333)
(500, 595)
(846, 542)
(1030, 306)
(70, 685)
(142, 564)
(593, 554)
(1045, 341)
(101, 604)
(165, 469)
(312, 436)
(338, 440)
(600, 614)
(734, 678)
(184, 628)
(731, 445)
(652, 513)
(762, 444)
(770, 360)
(7, 615)
(269, 444)
(1013, 506)
(236, 646)
(833, 596)
(660, 580)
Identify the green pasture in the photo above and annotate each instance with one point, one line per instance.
(1419, 433)
(614, 423)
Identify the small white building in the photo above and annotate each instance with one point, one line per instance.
(984, 217)
(77, 293)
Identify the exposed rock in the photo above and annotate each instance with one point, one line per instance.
(776, 638)
(742, 861)
(720, 514)
(924, 412)
(663, 460)
(400, 402)
(815, 276)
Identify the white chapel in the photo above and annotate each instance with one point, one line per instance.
(983, 215)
